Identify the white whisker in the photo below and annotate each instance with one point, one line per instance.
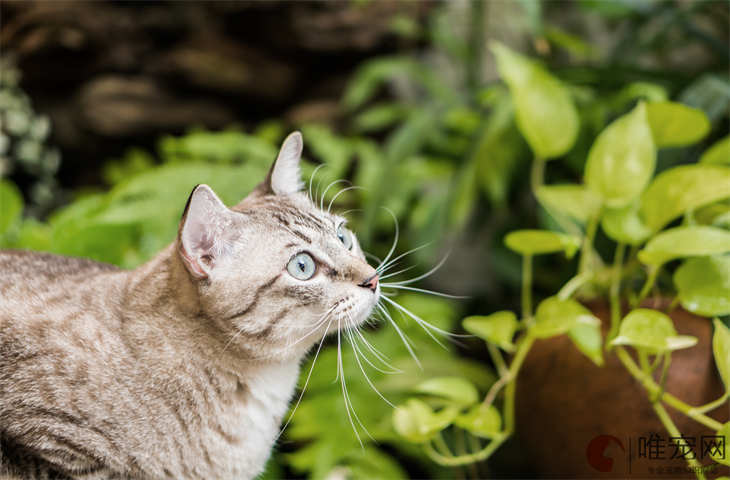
(306, 382)
(321, 199)
(427, 274)
(359, 364)
(329, 207)
(422, 290)
(395, 239)
(402, 336)
(314, 173)
(345, 394)
(385, 267)
(398, 272)
(423, 323)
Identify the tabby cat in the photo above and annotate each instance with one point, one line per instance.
(185, 366)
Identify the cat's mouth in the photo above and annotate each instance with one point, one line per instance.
(352, 311)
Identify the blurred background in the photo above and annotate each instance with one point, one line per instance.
(112, 111)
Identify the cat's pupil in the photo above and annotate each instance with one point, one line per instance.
(302, 266)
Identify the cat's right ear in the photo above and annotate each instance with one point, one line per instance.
(200, 237)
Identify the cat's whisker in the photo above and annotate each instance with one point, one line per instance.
(374, 352)
(400, 333)
(347, 212)
(306, 382)
(383, 277)
(427, 274)
(345, 394)
(321, 321)
(378, 354)
(321, 198)
(427, 327)
(329, 207)
(370, 255)
(362, 369)
(314, 173)
(384, 268)
(421, 290)
(395, 240)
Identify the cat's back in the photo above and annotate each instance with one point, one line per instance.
(26, 268)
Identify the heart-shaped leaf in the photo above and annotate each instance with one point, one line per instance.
(622, 159)
(454, 389)
(575, 201)
(703, 285)
(418, 423)
(719, 454)
(681, 189)
(676, 125)
(546, 115)
(718, 153)
(537, 242)
(587, 337)
(625, 225)
(482, 421)
(555, 316)
(651, 330)
(497, 328)
(679, 242)
(721, 349)
(11, 205)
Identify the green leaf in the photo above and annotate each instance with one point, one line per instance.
(537, 242)
(576, 201)
(622, 159)
(679, 242)
(625, 225)
(721, 349)
(482, 421)
(703, 285)
(555, 316)
(497, 328)
(676, 125)
(651, 330)
(455, 389)
(681, 189)
(546, 115)
(11, 205)
(723, 458)
(718, 153)
(587, 337)
(418, 423)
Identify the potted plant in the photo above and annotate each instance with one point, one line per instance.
(646, 342)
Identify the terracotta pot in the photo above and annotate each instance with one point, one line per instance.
(577, 420)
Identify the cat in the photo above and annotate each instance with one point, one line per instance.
(185, 366)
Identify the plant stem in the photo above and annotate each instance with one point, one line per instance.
(574, 284)
(482, 454)
(497, 359)
(587, 250)
(677, 437)
(615, 291)
(509, 414)
(527, 288)
(537, 175)
(509, 393)
(665, 397)
(712, 405)
(650, 280)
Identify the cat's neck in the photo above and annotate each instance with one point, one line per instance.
(162, 294)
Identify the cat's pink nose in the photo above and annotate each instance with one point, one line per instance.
(371, 283)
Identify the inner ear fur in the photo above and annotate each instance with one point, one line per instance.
(201, 242)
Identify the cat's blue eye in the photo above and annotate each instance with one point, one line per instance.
(344, 236)
(301, 266)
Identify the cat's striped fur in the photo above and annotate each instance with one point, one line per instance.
(183, 367)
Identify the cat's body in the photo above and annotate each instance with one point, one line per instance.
(183, 367)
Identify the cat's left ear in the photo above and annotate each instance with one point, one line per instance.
(285, 176)
(201, 237)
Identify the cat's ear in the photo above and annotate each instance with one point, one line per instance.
(285, 177)
(201, 235)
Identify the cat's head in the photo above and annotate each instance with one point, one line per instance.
(275, 272)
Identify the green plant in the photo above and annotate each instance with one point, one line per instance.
(678, 215)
